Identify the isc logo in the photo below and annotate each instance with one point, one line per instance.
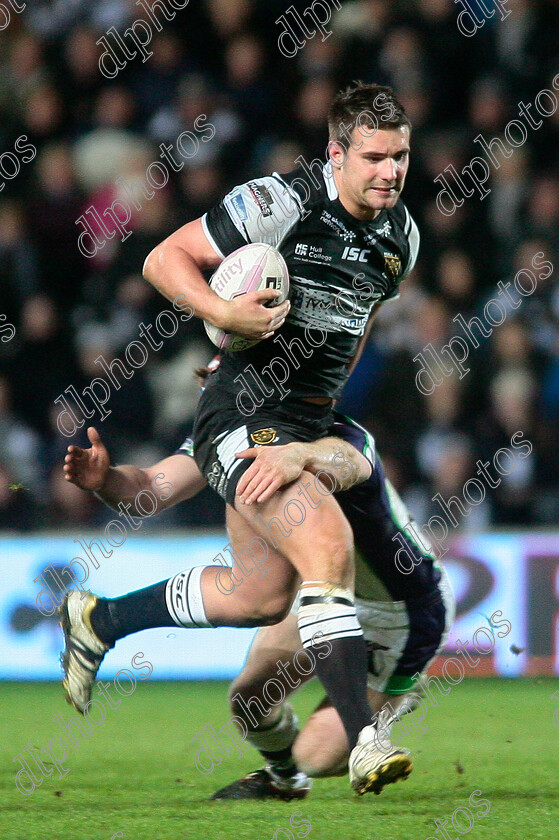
(354, 254)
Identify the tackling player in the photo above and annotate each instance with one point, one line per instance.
(405, 619)
(354, 201)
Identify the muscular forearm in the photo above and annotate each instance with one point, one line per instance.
(123, 485)
(338, 457)
(173, 272)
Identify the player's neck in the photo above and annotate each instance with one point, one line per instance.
(361, 212)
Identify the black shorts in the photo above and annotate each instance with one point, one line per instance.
(221, 430)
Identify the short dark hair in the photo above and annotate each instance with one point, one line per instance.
(372, 105)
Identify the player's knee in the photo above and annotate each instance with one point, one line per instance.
(270, 610)
(274, 615)
(338, 560)
(316, 762)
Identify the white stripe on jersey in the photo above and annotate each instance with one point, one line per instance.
(412, 232)
(234, 442)
(210, 238)
(328, 176)
(293, 194)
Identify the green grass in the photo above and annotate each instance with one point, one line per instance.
(135, 773)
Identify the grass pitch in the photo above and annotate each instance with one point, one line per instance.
(135, 778)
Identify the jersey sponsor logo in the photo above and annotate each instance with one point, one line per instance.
(237, 211)
(338, 226)
(355, 254)
(311, 253)
(371, 238)
(239, 205)
(263, 436)
(262, 196)
(392, 266)
(324, 308)
(385, 230)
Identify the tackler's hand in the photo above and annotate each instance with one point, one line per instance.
(88, 468)
(273, 467)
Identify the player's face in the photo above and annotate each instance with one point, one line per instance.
(370, 175)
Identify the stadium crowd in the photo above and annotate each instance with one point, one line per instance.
(78, 141)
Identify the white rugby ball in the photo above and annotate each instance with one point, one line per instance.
(252, 267)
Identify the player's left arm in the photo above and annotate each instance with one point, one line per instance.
(275, 466)
(172, 480)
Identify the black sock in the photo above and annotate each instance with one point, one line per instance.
(281, 762)
(343, 673)
(114, 618)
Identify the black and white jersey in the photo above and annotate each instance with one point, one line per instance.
(339, 267)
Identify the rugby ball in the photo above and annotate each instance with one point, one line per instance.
(252, 267)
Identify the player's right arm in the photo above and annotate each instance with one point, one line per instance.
(172, 480)
(275, 466)
(175, 268)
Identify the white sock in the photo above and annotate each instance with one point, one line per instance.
(326, 611)
(279, 736)
(185, 602)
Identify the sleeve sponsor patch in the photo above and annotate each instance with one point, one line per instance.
(262, 196)
(235, 206)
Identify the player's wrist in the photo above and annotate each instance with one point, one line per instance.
(318, 457)
(221, 315)
(300, 454)
(102, 486)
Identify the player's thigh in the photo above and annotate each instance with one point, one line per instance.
(263, 582)
(309, 528)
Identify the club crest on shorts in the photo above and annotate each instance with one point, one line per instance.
(392, 266)
(263, 436)
(214, 474)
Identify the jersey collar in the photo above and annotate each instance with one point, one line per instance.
(328, 175)
(333, 195)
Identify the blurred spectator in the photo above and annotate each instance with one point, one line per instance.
(196, 97)
(311, 112)
(52, 211)
(247, 82)
(44, 365)
(130, 419)
(456, 281)
(18, 261)
(512, 405)
(159, 79)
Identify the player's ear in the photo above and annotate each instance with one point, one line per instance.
(336, 153)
